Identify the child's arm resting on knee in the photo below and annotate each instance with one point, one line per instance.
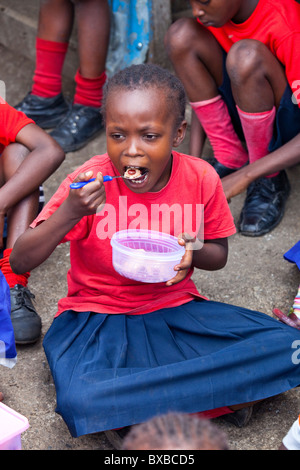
(284, 157)
(210, 256)
(44, 157)
(36, 244)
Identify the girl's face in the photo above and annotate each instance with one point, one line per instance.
(218, 12)
(140, 134)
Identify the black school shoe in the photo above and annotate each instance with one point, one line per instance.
(26, 323)
(221, 169)
(80, 125)
(46, 112)
(240, 418)
(264, 205)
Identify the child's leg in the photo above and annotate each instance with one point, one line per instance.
(25, 320)
(54, 31)
(84, 121)
(93, 38)
(258, 84)
(93, 19)
(45, 103)
(198, 61)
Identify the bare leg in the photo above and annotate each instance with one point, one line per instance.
(23, 213)
(196, 57)
(190, 49)
(197, 137)
(258, 82)
(25, 320)
(56, 20)
(198, 61)
(93, 18)
(257, 78)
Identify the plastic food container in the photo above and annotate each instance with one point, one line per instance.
(145, 255)
(12, 424)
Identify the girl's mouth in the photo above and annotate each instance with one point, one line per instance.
(135, 174)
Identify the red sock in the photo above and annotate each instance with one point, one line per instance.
(11, 278)
(89, 91)
(215, 120)
(258, 132)
(50, 56)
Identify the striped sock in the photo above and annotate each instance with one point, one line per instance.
(296, 306)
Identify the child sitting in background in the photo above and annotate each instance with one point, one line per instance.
(28, 156)
(122, 351)
(239, 63)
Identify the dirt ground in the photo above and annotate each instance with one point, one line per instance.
(256, 276)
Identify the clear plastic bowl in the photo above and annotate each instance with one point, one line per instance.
(12, 424)
(145, 255)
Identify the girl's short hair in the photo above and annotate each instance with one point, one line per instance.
(143, 76)
(176, 431)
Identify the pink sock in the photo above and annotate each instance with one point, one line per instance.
(215, 120)
(258, 132)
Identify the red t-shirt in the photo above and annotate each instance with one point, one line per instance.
(93, 284)
(276, 23)
(11, 122)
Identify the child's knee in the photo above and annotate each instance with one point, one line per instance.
(179, 36)
(12, 157)
(244, 58)
(14, 154)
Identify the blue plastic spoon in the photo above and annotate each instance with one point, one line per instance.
(80, 184)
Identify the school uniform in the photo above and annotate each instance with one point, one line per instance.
(122, 351)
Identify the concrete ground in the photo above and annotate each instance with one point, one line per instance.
(256, 276)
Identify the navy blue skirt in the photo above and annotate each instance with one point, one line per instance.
(112, 371)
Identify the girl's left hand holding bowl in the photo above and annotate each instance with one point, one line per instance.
(186, 261)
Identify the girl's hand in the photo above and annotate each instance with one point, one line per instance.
(186, 261)
(87, 200)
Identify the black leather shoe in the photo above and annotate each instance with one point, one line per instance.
(264, 205)
(26, 323)
(222, 170)
(239, 418)
(78, 127)
(46, 112)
